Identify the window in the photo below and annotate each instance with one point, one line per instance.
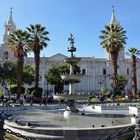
(83, 71)
(127, 71)
(104, 71)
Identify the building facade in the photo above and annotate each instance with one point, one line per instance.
(97, 72)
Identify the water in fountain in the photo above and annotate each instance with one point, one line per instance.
(55, 119)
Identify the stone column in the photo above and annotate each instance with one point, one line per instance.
(71, 84)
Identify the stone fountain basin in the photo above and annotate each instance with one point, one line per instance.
(48, 133)
(46, 126)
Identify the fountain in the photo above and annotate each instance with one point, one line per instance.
(71, 78)
(51, 124)
(69, 122)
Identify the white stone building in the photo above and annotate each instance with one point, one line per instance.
(97, 71)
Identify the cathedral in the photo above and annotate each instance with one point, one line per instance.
(97, 72)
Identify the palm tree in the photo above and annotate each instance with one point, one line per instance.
(38, 38)
(133, 52)
(18, 45)
(113, 39)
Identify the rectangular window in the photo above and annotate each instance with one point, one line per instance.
(127, 71)
(83, 71)
(104, 71)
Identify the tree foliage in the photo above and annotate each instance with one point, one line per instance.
(113, 38)
(7, 73)
(104, 90)
(18, 45)
(53, 75)
(121, 82)
(28, 74)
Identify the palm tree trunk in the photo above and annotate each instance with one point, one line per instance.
(114, 57)
(20, 63)
(37, 63)
(134, 78)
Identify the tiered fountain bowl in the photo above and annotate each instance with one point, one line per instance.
(51, 124)
(72, 59)
(72, 97)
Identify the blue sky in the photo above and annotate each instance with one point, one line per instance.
(83, 18)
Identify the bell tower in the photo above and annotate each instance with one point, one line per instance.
(9, 27)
